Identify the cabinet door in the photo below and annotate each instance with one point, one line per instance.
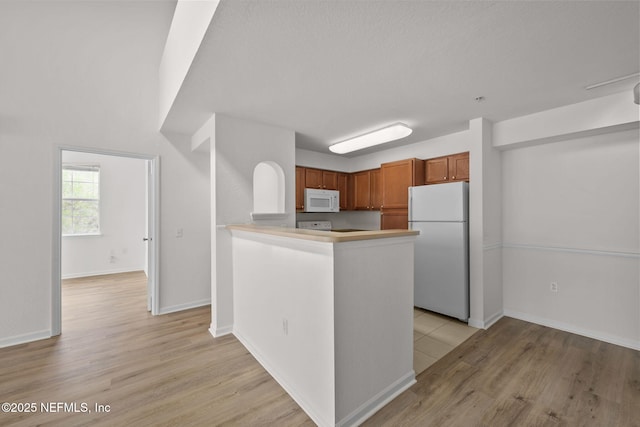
(394, 219)
(459, 167)
(362, 190)
(397, 177)
(343, 188)
(300, 185)
(376, 189)
(329, 180)
(313, 178)
(437, 170)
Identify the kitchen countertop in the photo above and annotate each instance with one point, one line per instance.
(323, 236)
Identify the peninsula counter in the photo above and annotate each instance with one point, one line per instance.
(329, 315)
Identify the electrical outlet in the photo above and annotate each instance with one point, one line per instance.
(554, 287)
(285, 326)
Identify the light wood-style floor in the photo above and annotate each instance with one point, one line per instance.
(168, 371)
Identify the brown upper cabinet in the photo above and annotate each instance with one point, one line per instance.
(361, 190)
(318, 178)
(447, 168)
(300, 186)
(397, 177)
(343, 188)
(366, 190)
(376, 189)
(322, 179)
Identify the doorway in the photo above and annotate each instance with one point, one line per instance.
(83, 226)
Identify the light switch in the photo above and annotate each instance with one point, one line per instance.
(179, 232)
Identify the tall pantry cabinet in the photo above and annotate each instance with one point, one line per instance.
(397, 177)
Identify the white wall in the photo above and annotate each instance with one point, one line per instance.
(76, 79)
(236, 147)
(119, 247)
(571, 214)
(313, 159)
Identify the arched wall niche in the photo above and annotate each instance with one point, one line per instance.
(268, 190)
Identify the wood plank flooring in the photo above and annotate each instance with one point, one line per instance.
(168, 371)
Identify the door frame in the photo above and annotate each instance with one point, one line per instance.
(153, 221)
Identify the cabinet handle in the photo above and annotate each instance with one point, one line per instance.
(453, 177)
(444, 177)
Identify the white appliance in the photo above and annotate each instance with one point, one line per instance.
(321, 200)
(441, 280)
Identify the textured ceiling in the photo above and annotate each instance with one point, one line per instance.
(334, 69)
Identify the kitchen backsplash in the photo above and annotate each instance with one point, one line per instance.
(366, 220)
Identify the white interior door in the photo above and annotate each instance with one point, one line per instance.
(151, 237)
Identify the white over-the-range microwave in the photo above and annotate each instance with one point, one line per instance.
(321, 200)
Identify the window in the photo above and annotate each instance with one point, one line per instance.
(80, 199)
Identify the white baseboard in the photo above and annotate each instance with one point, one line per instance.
(355, 418)
(373, 405)
(317, 418)
(493, 319)
(221, 331)
(611, 339)
(487, 323)
(100, 273)
(185, 306)
(25, 338)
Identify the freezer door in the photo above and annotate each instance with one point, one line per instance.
(439, 202)
(441, 280)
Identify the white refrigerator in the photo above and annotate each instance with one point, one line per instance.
(441, 279)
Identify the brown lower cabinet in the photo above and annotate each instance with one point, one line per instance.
(394, 219)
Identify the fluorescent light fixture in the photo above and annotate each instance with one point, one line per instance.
(380, 136)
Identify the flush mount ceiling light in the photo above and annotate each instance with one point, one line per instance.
(380, 136)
